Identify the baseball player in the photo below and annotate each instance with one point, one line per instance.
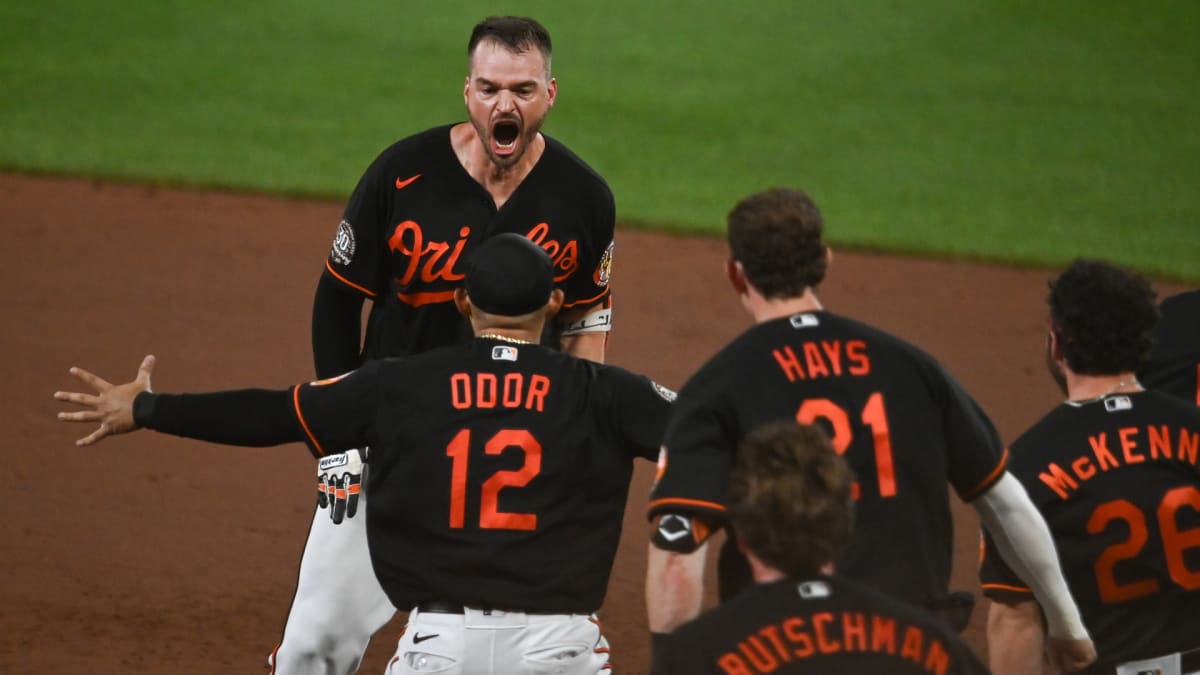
(1174, 365)
(1116, 472)
(790, 500)
(418, 212)
(499, 470)
(905, 426)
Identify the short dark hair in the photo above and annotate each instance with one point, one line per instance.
(1103, 317)
(517, 33)
(776, 236)
(790, 497)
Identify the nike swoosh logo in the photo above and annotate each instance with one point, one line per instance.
(402, 183)
(418, 638)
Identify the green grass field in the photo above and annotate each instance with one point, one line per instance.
(1028, 132)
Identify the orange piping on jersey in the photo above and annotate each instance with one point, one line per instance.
(568, 305)
(300, 416)
(351, 284)
(684, 502)
(1005, 587)
(427, 298)
(989, 480)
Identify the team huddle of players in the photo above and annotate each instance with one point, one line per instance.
(475, 440)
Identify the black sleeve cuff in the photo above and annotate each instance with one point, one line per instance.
(143, 408)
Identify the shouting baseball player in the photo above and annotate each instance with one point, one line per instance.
(1174, 365)
(1115, 469)
(905, 426)
(499, 470)
(418, 212)
(790, 500)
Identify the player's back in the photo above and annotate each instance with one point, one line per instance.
(815, 626)
(1118, 482)
(903, 424)
(507, 465)
(1175, 362)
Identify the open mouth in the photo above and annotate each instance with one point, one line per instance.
(506, 133)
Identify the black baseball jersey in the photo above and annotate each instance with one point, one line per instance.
(903, 424)
(813, 627)
(1118, 482)
(416, 215)
(1175, 363)
(499, 472)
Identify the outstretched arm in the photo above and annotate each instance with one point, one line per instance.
(1023, 538)
(111, 405)
(249, 417)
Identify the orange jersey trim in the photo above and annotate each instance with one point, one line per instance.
(425, 298)
(990, 479)
(1006, 587)
(568, 305)
(677, 501)
(369, 293)
(300, 416)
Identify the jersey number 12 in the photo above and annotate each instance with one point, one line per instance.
(490, 516)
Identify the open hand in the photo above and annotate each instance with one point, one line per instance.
(111, 405)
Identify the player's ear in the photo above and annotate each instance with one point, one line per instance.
(462, 302)
(828, 258)
(556, 302)
(552, 91)
(467, 90)
(737, 275)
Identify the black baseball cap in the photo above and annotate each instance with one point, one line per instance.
(509, 275)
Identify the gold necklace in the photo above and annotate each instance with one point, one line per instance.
(505, 338)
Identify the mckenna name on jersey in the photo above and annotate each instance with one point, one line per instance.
(1129, 445)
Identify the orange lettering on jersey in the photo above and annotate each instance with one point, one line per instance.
(754, 651)
(937, 660)
(833, 352)
(426, 258)
(854, 630)
(733, 664)
(856, 353)
(816, 365)
(820, 620)
(1083, 467)
(539, 386)
(565, 256)
(1128, 444)
(460, 391)
(1103, 455)
(883, 634)
(510, 395)
(914, 644)
(790, 363)
(1058, 480)
(485, 391)
(1160, 441)
(793, 628)
(771, 634)
(1189, 444)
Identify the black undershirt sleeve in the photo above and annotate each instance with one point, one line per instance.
(248, 417)
(336, 328)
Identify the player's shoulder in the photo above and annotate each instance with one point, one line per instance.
(418, 149)
(570, 166)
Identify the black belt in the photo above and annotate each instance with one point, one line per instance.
(440, 607)
(1189, 662)
(447, 607)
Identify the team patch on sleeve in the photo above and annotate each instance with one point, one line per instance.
(343, 244)
(603, 273)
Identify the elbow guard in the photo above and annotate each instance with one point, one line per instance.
(598, 320)
(679, 533)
